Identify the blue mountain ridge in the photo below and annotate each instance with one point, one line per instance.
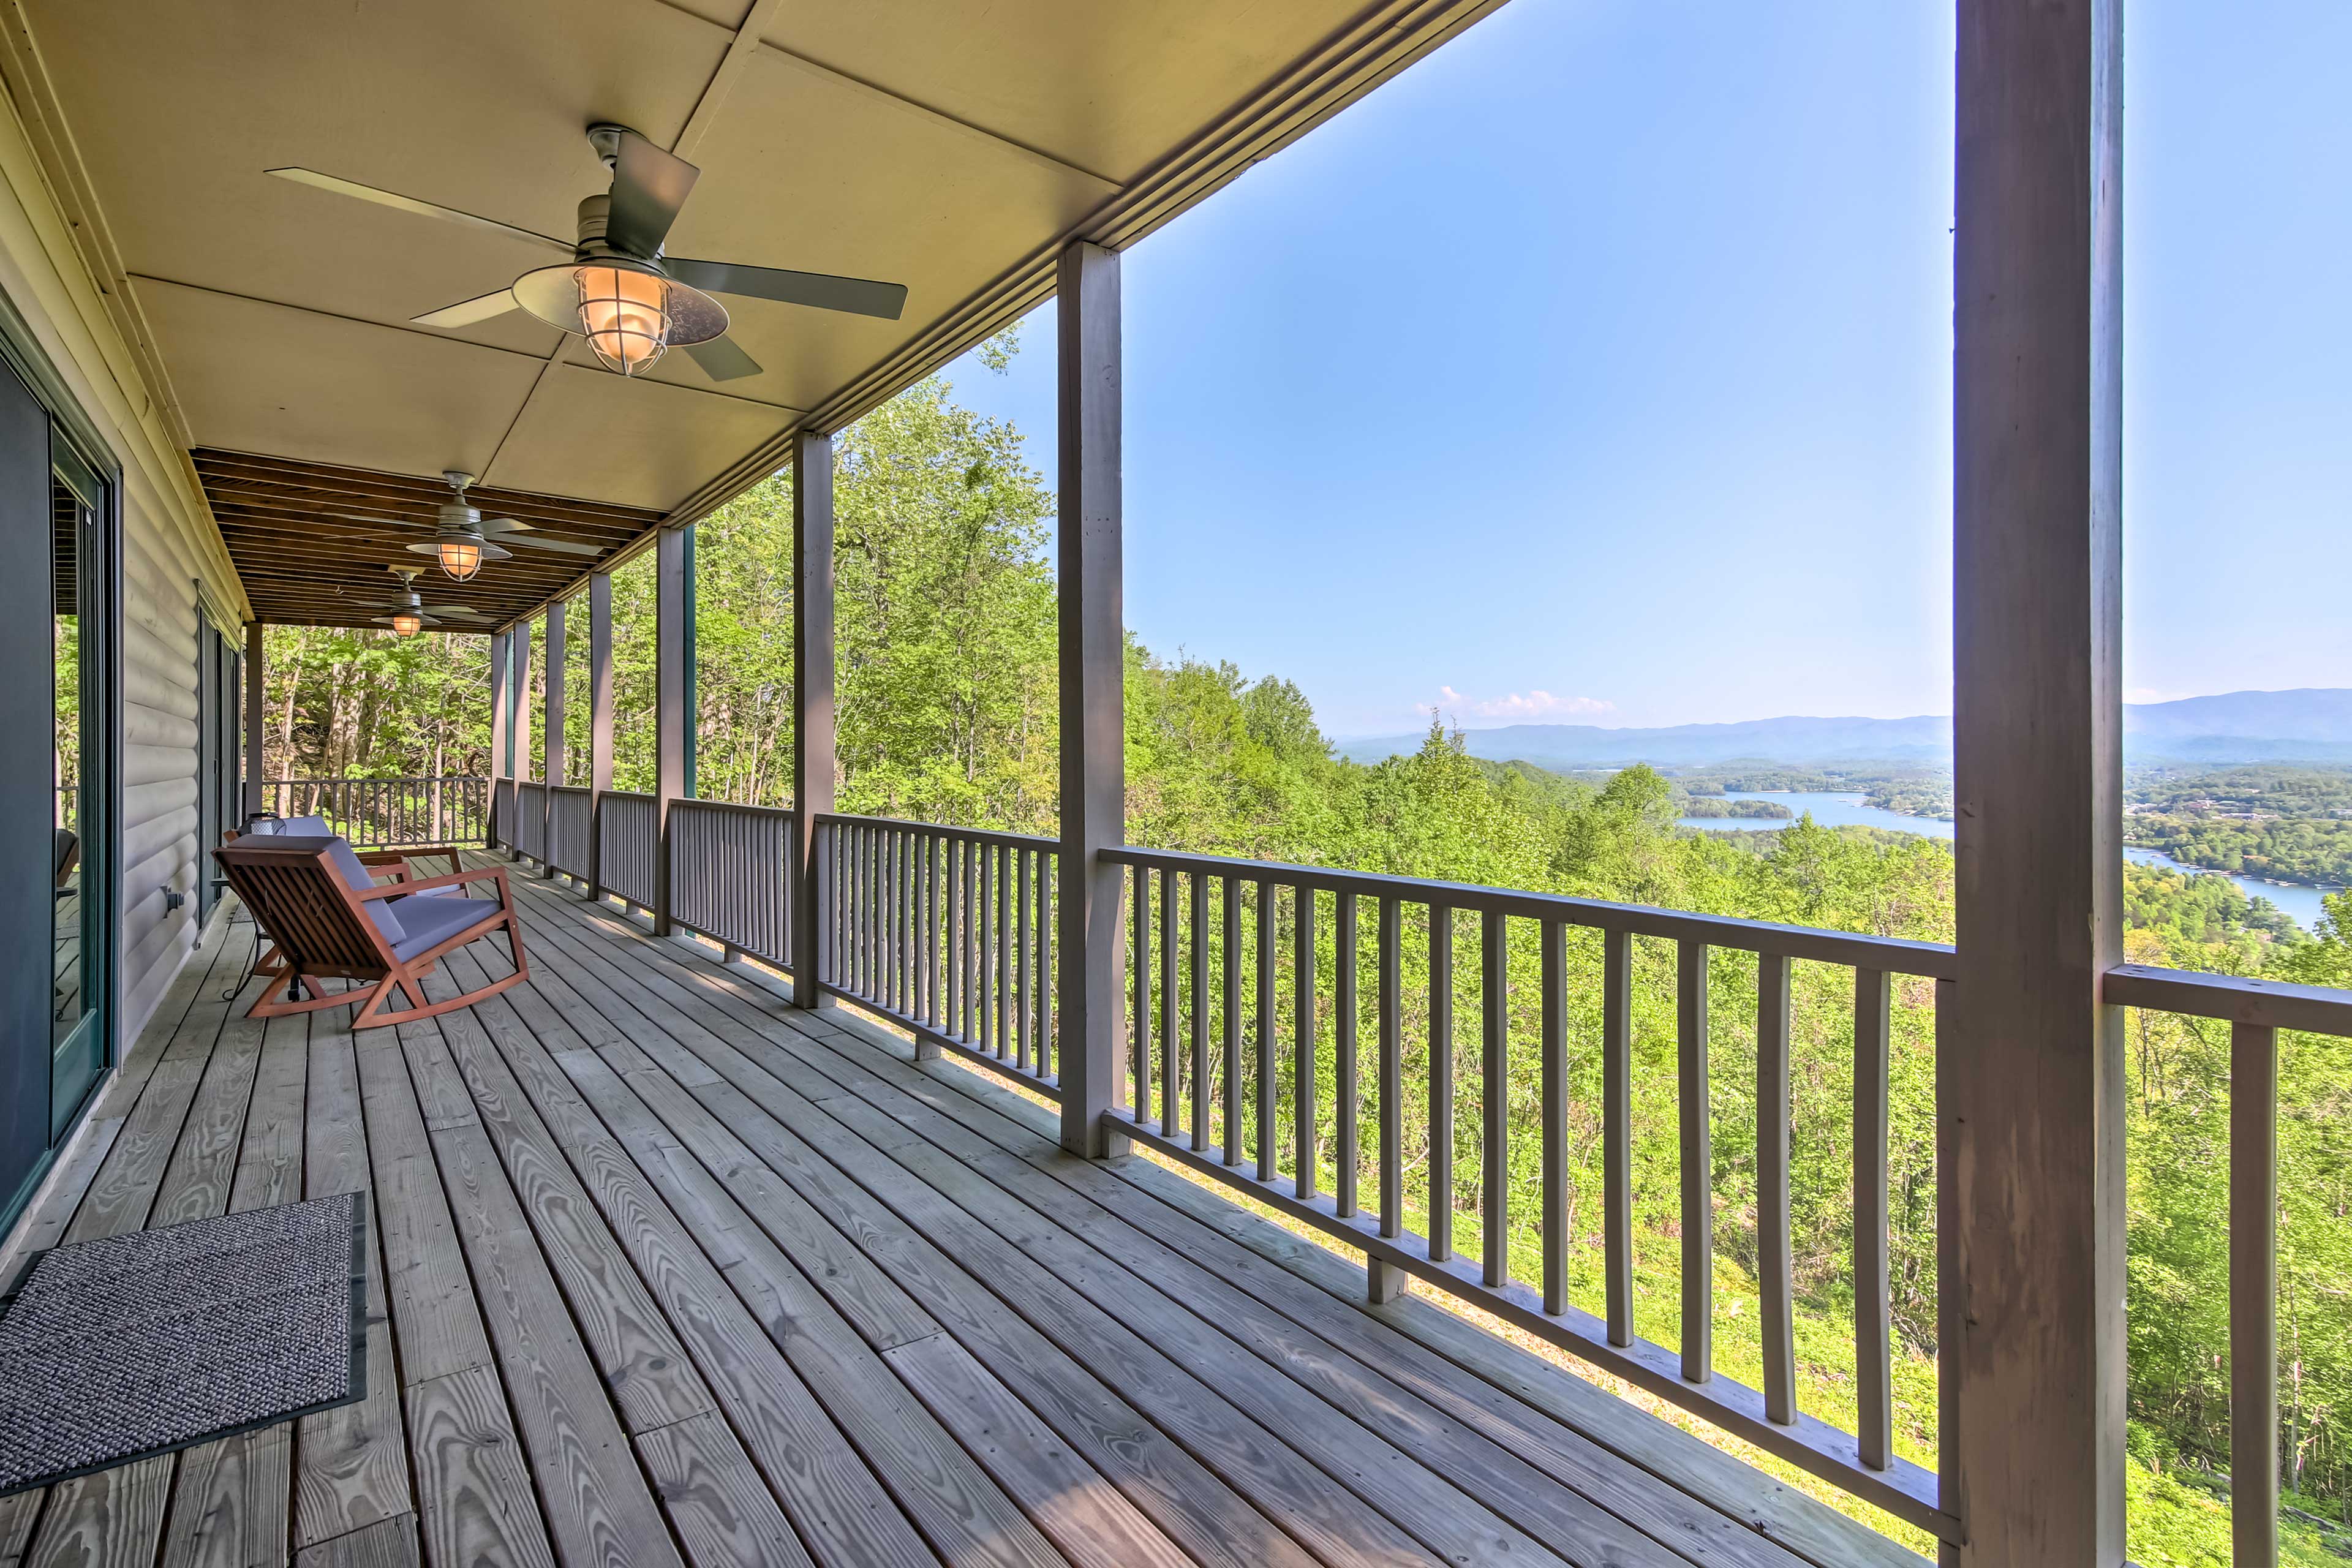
(2312, 724)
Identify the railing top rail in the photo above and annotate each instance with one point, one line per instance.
(741, 808)
(1894, 954)
(975, 834)
(2266, 1004)
(629, 795)
(393, 779)
(570, 789)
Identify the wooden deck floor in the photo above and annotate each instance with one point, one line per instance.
(668, 1272)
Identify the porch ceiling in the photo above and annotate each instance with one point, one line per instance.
(315, 542)
(951, 147)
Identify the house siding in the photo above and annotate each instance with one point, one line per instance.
(160, 853)
(169, 543)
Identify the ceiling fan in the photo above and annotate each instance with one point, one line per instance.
(464, 535)
(410, 613)
(618, 290)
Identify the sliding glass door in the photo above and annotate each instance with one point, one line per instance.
(79, 838)
(60, 662)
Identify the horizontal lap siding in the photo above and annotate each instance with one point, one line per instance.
(159, 620)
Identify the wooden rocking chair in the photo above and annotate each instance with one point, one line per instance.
(381, 863)
(329, 918)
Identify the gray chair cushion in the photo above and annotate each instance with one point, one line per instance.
(291, 827)
(430, 921)
(359, 878)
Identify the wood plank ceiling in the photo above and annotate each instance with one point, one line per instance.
(950, 145)
(316, 543)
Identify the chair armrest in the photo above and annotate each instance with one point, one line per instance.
(395, 890)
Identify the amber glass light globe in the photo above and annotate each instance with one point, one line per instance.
(461, 558)
(408, 623)
(625, 315)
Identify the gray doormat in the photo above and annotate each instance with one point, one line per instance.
(116, 1349)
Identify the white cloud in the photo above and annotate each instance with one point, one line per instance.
(1518, 706)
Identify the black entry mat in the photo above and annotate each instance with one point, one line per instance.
(115, 1350)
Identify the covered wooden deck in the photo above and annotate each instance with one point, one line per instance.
(668, 1271)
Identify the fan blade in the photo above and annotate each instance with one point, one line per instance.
(411, 205)
(721, 361)
(466, 312)
(459, 611)
(515, 532)
(650, 185)
(857, 296)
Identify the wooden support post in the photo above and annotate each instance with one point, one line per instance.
(2030, 1078)
(1093, 679)
(600, 723)
(1383, 1280)
(2254, 1297)
(501, 728)
(673, 699)
(257, 723)
(812, 748)
(553, 742)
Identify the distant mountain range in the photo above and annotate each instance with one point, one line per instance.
(2314, 725)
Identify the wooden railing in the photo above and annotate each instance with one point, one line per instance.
(389, 813)
(947, 931)
(568, 829)
(730, 871)
(628, 838)
(1212, 1051)
(2255, 1010)
(530, 836)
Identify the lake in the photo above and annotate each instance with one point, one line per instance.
(2299, 902)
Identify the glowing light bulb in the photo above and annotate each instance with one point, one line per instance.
(461, 558)
(408, 623)
(625, 315)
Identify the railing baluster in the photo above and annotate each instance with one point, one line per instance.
(1780, 1341)
(905, 950)
(1231, 954)
(1198, 930)
(1000, 923)
(1552, 940)
(1383, 1279)
(1046, 1053)
(952, 1007)
(1024, 1021)
(1171, 1112)
(2253, 1292)
(1266, 1130)
(1303, 1111)
(1873, 1338)
(930, 1013)
(1698, 1163)
(1343, 1047)
(1495, 1099)
(1441, 1083)
(1140, 976)
(992, 994)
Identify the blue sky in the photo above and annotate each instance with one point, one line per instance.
(1597, 370)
